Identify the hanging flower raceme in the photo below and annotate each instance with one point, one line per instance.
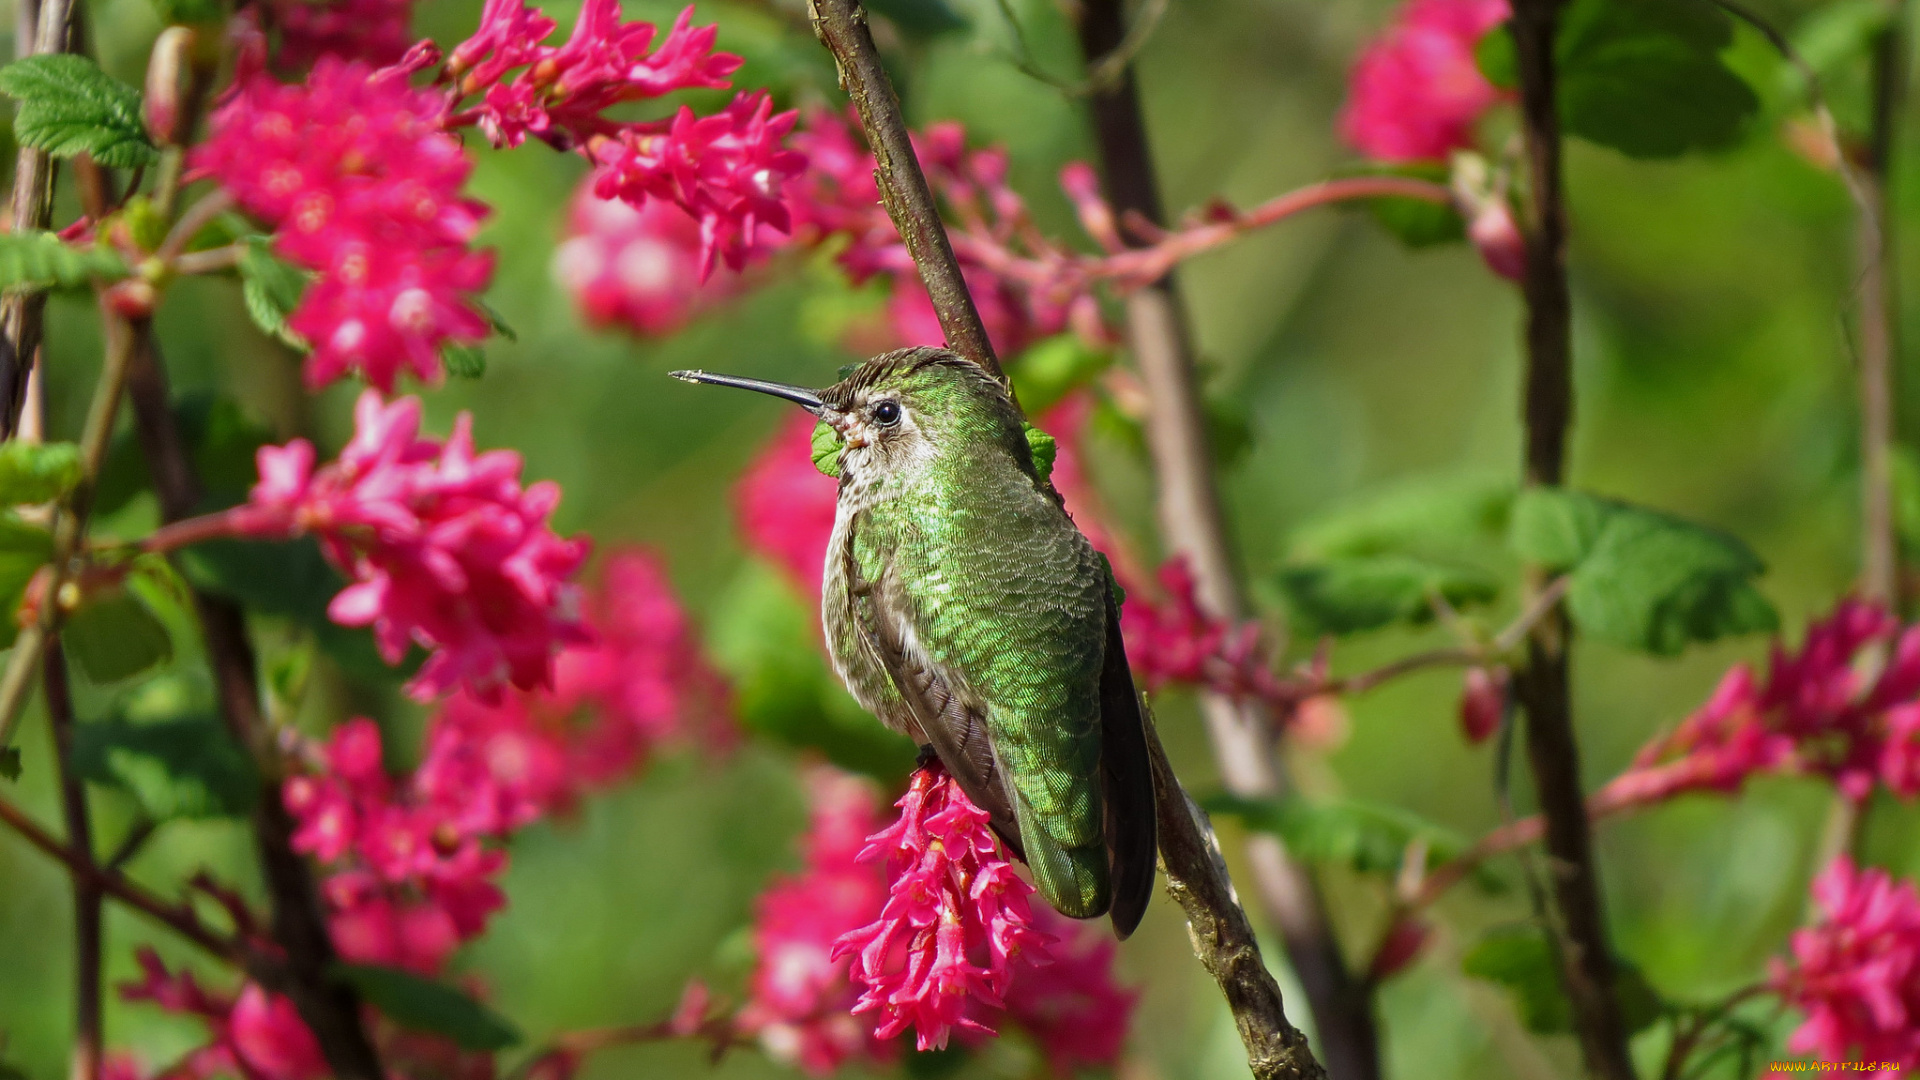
(726, 170)
(1416, 91)
(1846, 706)
(359, 182)
(1178, 641)
(1072, 1007)
(1855, 973)
(444, 547)
(956, 927)
(800, 1003)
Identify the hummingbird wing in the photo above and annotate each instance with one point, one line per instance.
(1126, 778)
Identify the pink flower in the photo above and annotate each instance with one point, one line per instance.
(444, 547)
(256, 1034)
(785, 506)
(1843, 707)
(376, 31)
(800, 1001)
(956, 926)
(1179, 642)
(361, 185)
(1855, 974)
(269, 1036)
(1416, 92)
(640, 268)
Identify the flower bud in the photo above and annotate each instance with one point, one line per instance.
(1402, 946)
(132, 299)
(1483, 702)
(165, 83)
(1497, 238)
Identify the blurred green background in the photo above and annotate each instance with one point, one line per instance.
(1713, 380)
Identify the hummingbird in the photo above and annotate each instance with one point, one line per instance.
(965, 610)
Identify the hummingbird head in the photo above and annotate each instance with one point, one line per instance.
(903, 409)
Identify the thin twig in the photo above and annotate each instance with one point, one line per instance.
(1542, 684)
(22, 315)
(198, 216)
(181, 920)
(842, 26)
(87, 1032)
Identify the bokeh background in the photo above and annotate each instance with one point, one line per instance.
(1713, 380)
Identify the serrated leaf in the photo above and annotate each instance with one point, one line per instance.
(1369, 838)
(1045, 450)
(1051, 369)
(425, 1005)
(464, 361)
(115, 636)
(1416, 223)
(41, 260)
(271, 287)
(32, 473)
(69, 106)
(1349, 595)
(1639, 578)
(188, 767)
(1520, 959)
(24, 549)
(1645, 77)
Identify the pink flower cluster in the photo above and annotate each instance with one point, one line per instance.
(361, 185)
(375, 31)
(1416, 91)
(725, 170)
(945, 941)
(1855, 973)
(638, 267)
(956, 926)
(1846, 706)
(444, 547)
(254, 1033)
(1178, 641)
(800, 1003)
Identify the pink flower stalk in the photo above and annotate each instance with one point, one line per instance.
(640, 268)
(256, 1034)
(956, 926)
(362, 186)
(444, 547)
(800, 1002)
(1846, 706)
(1179, 642)
(726, 170)
(1416, 91)
(375, 31)
(785, 506)
(1855, 974)
(1073, 1007)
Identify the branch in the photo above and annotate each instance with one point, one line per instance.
(1222, 937)
(1242, 734)
(181, 920)
(330, 1008)
(87, 1045)
(841, 25)
(1542, 684)
(21, 315)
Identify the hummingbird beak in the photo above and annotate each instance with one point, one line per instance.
(799, 395)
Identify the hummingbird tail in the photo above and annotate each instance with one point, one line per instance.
(1074, 880)
(1126, 782)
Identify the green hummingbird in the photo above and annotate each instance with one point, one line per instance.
(965, 609)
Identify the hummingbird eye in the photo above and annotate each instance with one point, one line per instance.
(887, 413)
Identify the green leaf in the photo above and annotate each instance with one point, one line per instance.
(1349, 595)
(1045, 450)
(190, 12)
(1496, 59)
(9, 763)
(1520, 959)
(69, 106)
(1416, 223)
(920, 18)
(425, 1005)
(1639, 578)
(33, 473)
(189, 767)
(1369, 838)
(115, 636)
(271, 288)
(464, 361)
(826, 449)
(41, 260)
(24, 549)
(765, 637)
(1051, 369)
(494, 320)
(1645, 77)
(1836, 34)
(1443, 515)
